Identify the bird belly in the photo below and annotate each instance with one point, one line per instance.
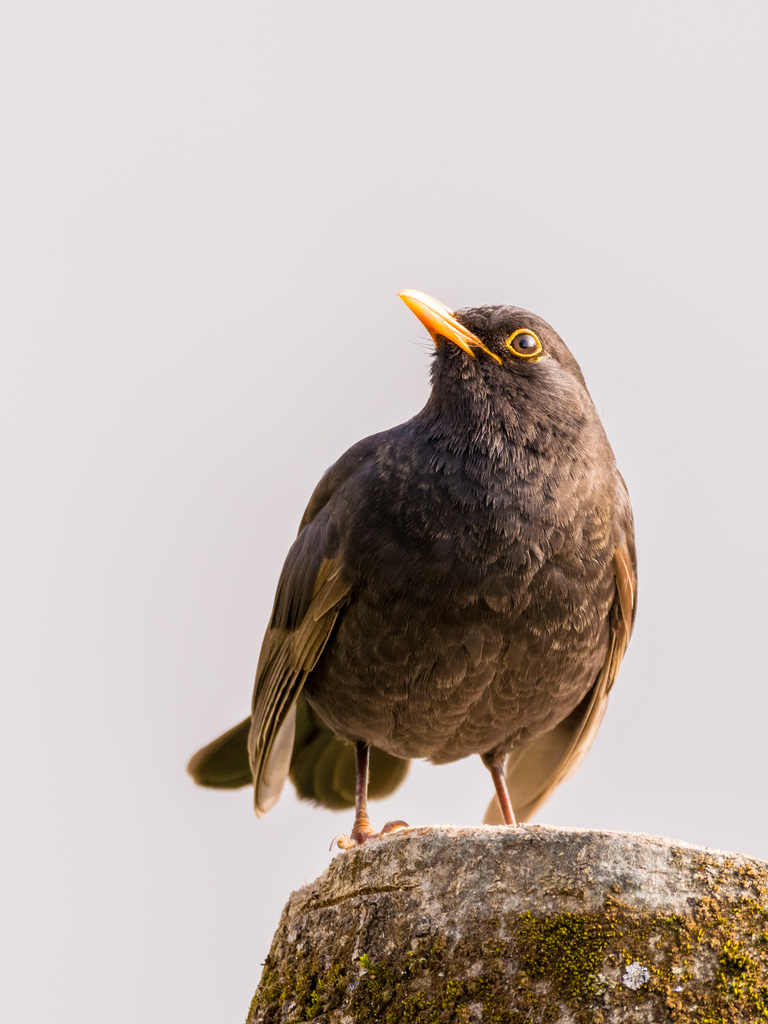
(479, 672)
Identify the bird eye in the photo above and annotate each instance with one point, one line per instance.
(524, 343)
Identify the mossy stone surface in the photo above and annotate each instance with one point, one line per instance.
(533, 924)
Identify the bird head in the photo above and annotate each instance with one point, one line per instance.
(503, 357)
(507, 336)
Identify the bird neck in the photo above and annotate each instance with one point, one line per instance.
(502, 433)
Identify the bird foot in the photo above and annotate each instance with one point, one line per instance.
(358, 836)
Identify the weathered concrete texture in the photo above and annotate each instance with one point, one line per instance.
(534, 924)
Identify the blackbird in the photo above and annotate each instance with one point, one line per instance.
(463, 583)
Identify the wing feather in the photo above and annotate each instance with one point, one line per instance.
(287, 658)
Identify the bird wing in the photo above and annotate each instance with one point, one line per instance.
(311, 593)
(295, 639)
(535, 771)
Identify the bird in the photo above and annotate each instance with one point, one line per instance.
(463, 583)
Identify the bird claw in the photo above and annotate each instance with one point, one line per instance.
(392, 826)
(344, 842)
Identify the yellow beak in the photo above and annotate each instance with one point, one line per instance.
(439, 320)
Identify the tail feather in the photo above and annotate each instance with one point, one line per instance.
(322, 766)
(223, 764)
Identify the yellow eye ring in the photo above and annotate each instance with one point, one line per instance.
(520, 351)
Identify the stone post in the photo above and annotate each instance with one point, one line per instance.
(531, 924)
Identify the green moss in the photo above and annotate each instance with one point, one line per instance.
(569, 949)
(428, 955)
(378, 982)
(739, 978)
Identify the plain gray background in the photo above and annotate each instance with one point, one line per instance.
(207, 211)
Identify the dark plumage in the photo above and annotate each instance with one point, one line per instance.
(461, 584)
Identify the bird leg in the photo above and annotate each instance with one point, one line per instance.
(496, 768)
(362, 830)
